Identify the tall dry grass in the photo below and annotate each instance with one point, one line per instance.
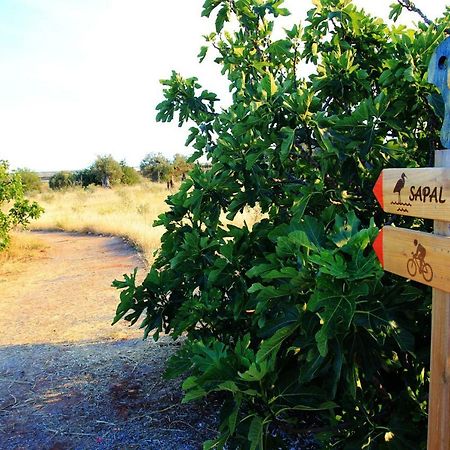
(127, 211)
(23, 247)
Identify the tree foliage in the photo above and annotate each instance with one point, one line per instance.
(61, 180)
(159, 168)
(86, 177)
(30, 180)
(107, 171)
(14, 208)
(156, 167)
(130, 175)
(295, 314)
(181, 166)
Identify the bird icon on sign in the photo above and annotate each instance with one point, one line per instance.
(439, 75)
(399, 186)
(402, 207)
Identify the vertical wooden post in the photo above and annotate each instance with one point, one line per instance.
(439, 397)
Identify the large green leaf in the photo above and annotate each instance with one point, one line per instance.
(272, 345)
(336, 305)
(255, 433)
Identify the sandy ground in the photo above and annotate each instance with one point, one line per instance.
(68, 380)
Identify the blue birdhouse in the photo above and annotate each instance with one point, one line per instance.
(439, 75)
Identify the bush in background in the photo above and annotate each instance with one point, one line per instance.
(86, 177)
(130, 175)
(61, 180)
(107, 171)
(156, 167)
(14, 208)
(181, 166)
(30, 180)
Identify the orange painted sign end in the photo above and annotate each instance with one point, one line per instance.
(378, 190)
(378, 246)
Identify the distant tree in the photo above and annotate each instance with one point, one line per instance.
(87, 176)
(14, 209)
(61, 180)
(30, 180)
(156, 167)
(181, 166)
(108, 170)
(130, 175)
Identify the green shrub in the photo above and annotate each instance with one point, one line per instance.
(156, 167)
(14, 209)
(107, 170)
(30, 181)
(61, 180)
(130, 175)
(87, 177)
(181, 166)
(295, 315)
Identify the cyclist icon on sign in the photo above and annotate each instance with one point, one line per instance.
(417, 263)
(420, 253)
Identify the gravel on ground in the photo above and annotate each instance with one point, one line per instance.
(68, 380)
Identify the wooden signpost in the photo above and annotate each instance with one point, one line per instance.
(425, 257)
(415, 192)
(439, 400)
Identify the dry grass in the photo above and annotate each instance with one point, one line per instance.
(23, 248)
(127, 211)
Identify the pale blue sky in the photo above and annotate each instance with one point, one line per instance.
(79, 78)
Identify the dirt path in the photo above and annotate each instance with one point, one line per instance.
(68, 380)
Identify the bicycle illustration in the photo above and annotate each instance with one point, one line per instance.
(417, 263)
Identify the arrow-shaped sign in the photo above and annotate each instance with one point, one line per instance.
(422, 257)
(415, 192)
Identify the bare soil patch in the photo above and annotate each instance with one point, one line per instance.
(68, 380)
